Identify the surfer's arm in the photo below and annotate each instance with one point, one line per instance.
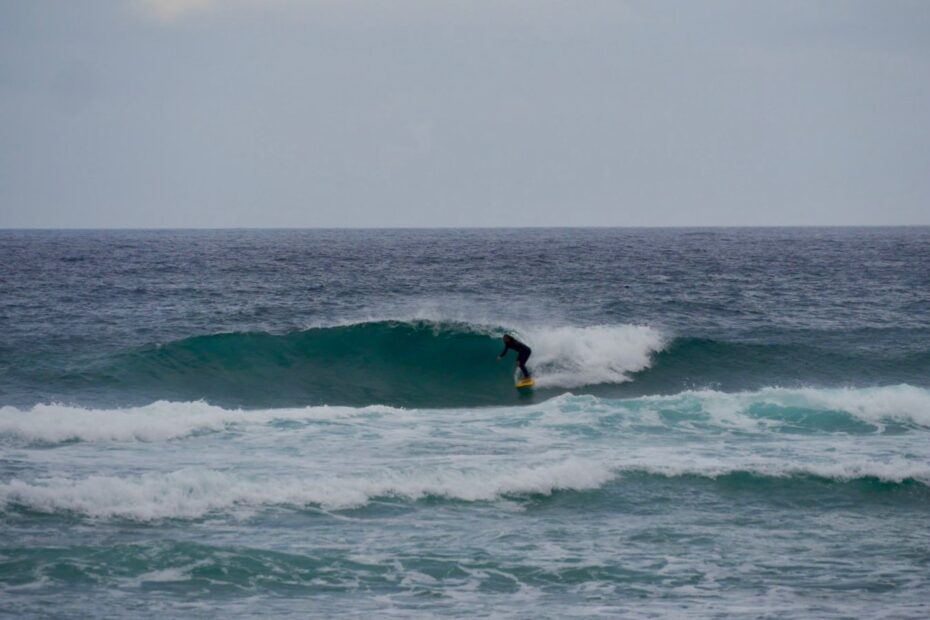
(504, 352)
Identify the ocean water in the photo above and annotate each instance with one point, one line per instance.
(727, 423)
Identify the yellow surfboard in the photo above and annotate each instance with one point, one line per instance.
(525, 383)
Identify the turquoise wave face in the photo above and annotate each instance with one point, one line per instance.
(400, 363)
(389, 362)
(449, 364)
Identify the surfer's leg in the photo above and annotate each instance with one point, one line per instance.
(521, 361)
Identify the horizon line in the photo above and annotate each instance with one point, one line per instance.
(542, 227)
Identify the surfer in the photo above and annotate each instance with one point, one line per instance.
(523, 353)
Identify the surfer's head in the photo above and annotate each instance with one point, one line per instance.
(508, 338)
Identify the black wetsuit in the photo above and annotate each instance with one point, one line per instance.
(523, 354)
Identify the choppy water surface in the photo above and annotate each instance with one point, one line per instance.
(727, 423)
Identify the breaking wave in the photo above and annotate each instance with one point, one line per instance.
(335, 458)
(197, 493)
(401, 363)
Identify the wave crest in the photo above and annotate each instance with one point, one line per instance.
(400, 363)
(197, 493)
(813, 410)
(189, 494)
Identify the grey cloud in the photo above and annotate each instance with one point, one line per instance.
(454, 114)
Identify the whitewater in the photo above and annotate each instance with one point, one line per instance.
(339, 458)
(727, 423)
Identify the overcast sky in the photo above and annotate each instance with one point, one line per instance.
(240, 113)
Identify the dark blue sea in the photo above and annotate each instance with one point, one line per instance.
(726, 423)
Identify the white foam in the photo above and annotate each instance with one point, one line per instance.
(196, 492)
(902, 403)
(166, 575)
(159, 421)
(673, 463)
(193, 493)
(165, 421)
(570, 357)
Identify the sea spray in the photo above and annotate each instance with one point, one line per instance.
(571, 357)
